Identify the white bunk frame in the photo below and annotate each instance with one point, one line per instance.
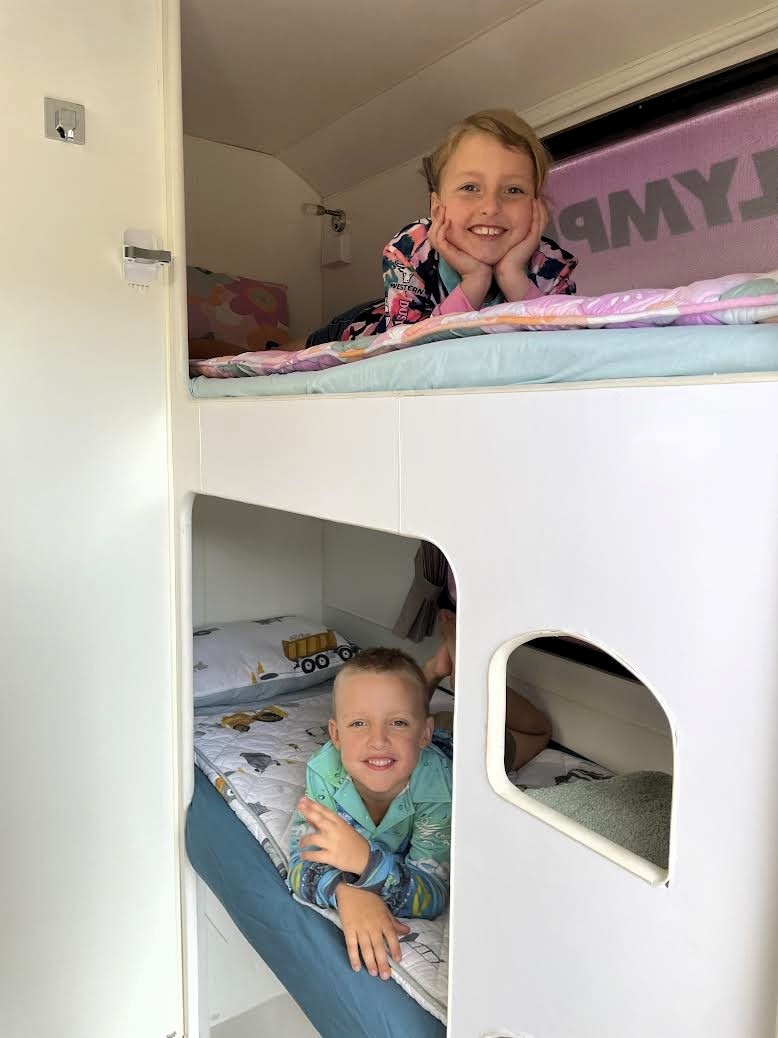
(640, 516)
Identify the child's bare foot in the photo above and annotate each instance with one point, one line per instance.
(438, 667)
(447, 625)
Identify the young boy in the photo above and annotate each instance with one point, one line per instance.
(378, 799)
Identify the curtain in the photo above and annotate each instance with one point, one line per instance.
(417, 616)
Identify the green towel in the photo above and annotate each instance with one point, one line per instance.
(631, 810)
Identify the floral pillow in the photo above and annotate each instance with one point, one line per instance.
(245, 313)
(250, 660)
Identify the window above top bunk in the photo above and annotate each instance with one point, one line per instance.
(674, 188)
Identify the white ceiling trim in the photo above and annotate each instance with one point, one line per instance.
(738, 40)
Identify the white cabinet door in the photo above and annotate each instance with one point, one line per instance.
(89, 936)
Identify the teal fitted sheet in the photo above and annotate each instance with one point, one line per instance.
(518, 358)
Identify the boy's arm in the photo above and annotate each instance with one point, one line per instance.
(417, 885)
(369, 928)
(310, 880)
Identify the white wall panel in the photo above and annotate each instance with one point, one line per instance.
(367, 572)
(90, 937)
(641, 519)
(254, 562)
(244, 216)
(332, 457)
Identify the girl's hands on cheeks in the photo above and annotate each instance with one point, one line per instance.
(476, 276)
(369, 928)
(511, 272)
(336, 843)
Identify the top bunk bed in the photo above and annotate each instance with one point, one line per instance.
(684, 199)
(675, 190)
(337, 443)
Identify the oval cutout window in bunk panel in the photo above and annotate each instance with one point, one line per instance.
(576, 739)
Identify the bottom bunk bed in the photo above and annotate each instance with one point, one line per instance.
(250, 774)
(304, 950)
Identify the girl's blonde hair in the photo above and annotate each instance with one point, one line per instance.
(502, 124)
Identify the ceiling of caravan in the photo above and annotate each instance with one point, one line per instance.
(344, 90)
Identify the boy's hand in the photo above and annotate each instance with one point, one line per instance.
(511, 272)
(369, 927)
(476, 276)
(338, 845)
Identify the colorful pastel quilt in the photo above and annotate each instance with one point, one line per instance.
(734, 299)
(256, 759)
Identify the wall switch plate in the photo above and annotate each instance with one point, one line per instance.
(64, 121)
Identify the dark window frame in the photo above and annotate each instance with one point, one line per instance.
(671, 106)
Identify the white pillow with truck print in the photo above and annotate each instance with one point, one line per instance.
(247, 661)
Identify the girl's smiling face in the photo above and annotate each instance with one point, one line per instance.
(486, 190)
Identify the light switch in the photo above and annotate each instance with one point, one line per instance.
(64, 120)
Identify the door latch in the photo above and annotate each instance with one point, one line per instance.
(141, 258)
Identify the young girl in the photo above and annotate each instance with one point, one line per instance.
(481, 244)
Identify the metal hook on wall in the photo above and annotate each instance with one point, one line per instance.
(337, 216)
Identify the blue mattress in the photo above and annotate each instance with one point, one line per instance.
(520, 358)
(305, 951)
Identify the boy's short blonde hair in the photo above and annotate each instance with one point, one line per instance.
(385, 661)
(505, 126)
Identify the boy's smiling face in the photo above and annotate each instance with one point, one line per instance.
(486, 190)
(380, 727)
